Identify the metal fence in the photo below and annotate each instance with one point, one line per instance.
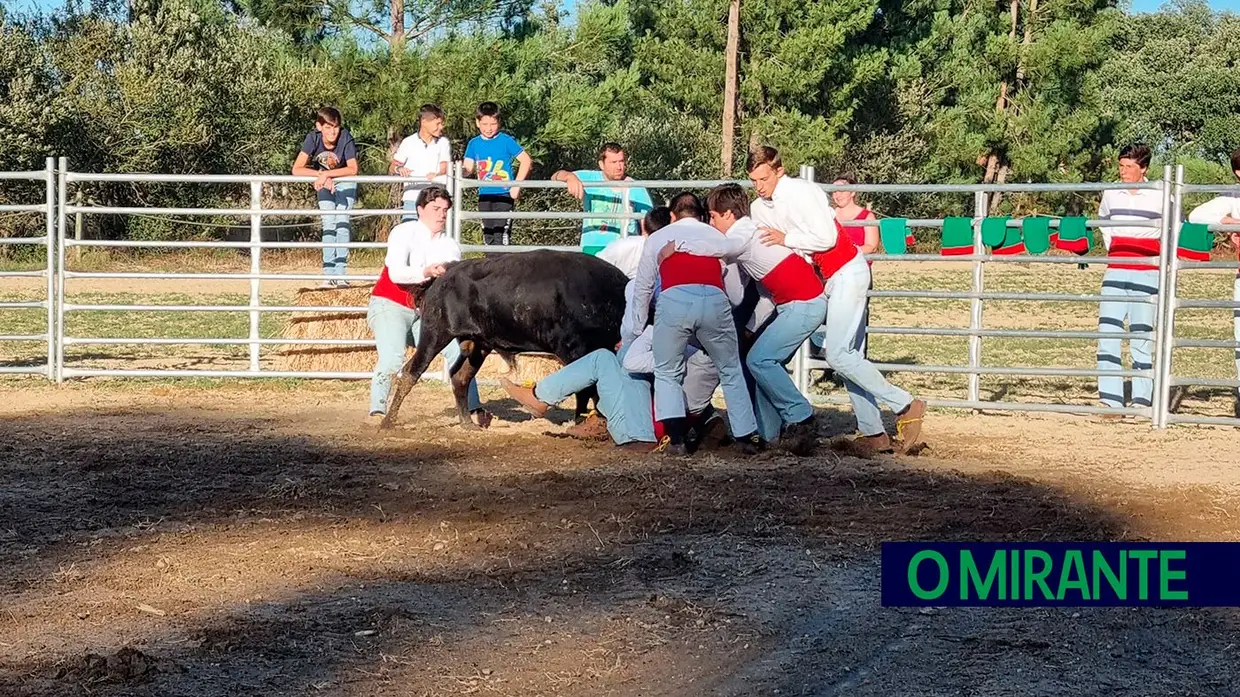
(60, 300)
(1173, 303)
(977, 296)
(48, 210)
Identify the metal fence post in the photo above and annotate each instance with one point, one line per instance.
(800, 362)
(61, 220)
(980, 208)
(256, 268)
(50, 231)
(1164, 317)
(458, 173)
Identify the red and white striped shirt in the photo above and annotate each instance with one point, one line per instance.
(1131, 240)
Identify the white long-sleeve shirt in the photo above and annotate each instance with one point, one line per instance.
(1213, 211)
(802, 211)
(785, 275)
(638, 310)
(411, 248)
(624, 254)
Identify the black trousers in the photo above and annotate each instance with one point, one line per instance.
(495, 232)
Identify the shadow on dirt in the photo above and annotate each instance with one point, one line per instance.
(784, 548)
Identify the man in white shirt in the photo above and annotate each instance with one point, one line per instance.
(1225, 210)
(798, 214)
(691, 305)
(425, 155)
(1133, 285)
(417, 251)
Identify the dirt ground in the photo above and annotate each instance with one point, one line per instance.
(257, 539)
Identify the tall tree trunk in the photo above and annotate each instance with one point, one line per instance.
(397, 36)
(729, 86)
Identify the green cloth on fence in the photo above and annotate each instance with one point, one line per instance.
(1073, 235)
(1037, 232)
(957, 236)
(1196, 242)
(894, 233)
(995, 231)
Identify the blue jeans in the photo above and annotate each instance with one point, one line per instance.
(623, 398)
(701, 312)
(336, 228)
(867, 388)
(1132, 290)
(396, 328)
(411, 206)
(794, 322)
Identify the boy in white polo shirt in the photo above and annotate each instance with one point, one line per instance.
(425, 155)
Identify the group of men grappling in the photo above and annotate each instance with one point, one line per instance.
(736, 287)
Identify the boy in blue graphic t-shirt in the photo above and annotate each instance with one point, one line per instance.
(492, 154)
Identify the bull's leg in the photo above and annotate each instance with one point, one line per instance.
(429, 346)
(584, 398)
(463, 372)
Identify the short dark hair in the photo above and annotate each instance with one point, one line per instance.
(488, 109)
(609, 146)
(656, 219)
(763, 155)
(1235, 160)
(686, 204)
(429, 111)
(433, 193)
(1137, 152)
(728, 198)
(328, 115)
(846, 177)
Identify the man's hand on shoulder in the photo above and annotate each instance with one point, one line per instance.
(771, 237)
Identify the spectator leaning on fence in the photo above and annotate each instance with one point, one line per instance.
(597, 233)
(424, 155)
(492, 153)
(329, 152)
(417, 251)
(1131, 284)
(1225, 210)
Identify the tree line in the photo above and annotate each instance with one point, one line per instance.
(906, 91)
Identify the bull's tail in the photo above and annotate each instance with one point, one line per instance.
(431, 341)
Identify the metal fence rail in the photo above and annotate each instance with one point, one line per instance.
(48, 210)
(1173, 304)
(59, 301)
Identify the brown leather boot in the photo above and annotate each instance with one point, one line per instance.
(908, 423)
(593, 428)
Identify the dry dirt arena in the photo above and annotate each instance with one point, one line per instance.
(255, 539)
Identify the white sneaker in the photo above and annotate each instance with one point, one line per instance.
(327, 284)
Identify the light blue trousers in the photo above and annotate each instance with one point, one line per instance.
(794, 322)
(337, 229)
(867, 388)
(701, 312)
(412, 207)
(623, 398)
(1132, 291)
(396, 328)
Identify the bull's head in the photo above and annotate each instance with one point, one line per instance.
(418, 290)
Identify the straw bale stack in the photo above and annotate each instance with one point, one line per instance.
(360, 359)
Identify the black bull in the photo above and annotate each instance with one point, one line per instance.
(564, 303)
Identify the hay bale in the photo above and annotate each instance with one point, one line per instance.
(361, 359)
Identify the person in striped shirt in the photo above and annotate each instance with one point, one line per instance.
(1132, 286)
(1225, 210)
